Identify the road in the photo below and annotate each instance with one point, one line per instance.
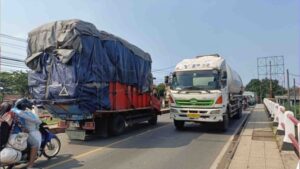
(146, 147)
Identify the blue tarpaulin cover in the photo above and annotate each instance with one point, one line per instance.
(71, 59)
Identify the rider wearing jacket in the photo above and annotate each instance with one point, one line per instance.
(30, 124)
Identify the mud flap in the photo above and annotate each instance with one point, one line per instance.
(76, 134)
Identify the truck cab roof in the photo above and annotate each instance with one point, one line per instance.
(204, 62)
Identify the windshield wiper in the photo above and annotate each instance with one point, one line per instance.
(192, 87)
(197, 88)
(206, 90)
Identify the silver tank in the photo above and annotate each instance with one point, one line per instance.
(234, 81)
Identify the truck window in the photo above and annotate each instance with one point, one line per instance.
(196, 80)
(202, 81)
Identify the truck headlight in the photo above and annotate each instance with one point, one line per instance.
(215, 112)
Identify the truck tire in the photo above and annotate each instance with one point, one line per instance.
(117, 125)
(223, 126)
(179, 125)
(239, 114)
(153, 120)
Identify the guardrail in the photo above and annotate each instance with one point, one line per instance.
(286, 125)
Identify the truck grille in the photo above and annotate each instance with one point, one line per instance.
(193, 111)
(194, 102)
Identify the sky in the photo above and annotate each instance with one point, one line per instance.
(172, 30)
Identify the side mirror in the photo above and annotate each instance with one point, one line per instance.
(224, 82)
(224, 75)
(166, 79)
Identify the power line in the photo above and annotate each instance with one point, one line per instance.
(12, 45)
(13, 38)
(13, 63)
(162, 69)
(292, 74)
(8, 65)
(12, 53)
(10, 58)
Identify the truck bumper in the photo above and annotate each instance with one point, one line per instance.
(197, 115)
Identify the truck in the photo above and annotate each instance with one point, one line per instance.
(95, 82)
(204, 89)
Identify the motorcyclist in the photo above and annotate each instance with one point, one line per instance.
(29, 123)
(6, 120)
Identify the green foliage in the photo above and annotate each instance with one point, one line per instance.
(161, 88)
(14, 83)
(262, 87)
(50, 121)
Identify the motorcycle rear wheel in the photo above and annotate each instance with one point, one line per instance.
(7, 167)
(52, 148)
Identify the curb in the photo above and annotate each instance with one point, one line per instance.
(224, 158)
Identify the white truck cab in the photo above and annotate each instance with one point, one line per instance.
(204, 89)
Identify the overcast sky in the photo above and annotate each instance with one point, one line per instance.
(171, 30)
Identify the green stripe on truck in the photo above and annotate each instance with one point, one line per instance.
(194, 102)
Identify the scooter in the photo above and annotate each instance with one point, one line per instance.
(50, 147)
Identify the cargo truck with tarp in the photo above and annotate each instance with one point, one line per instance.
(204, 90)
(95, 81)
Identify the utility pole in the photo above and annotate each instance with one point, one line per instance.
(295, 95)
(288, 88)
(260, 92)
(271, 91)
(0, 53)
(0, 32)
(275, 71)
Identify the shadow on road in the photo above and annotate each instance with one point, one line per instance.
(145, 136)
(169, 137)
(153, 136)
(58, 159)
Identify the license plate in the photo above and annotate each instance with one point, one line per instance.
(193, 115)
(74, 124)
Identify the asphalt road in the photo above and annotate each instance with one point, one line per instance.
(145, 147)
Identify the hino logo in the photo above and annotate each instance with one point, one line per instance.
(193, 101)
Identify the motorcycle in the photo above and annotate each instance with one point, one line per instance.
(50, 147)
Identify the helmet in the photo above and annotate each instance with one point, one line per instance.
(23, 103)
(4, 107)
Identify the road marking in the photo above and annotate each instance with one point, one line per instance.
(260, 122)
(224, 149)
(102, 148)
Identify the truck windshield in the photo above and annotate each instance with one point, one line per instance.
(196, 80)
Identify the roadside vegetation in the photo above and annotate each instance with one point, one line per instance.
(262, 87)
(293, 108)
(51, 121)
(13, 83)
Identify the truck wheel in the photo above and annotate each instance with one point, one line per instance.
(225, 123)
(179, 125)
(153, 120)
(117, 125)
(239, 114)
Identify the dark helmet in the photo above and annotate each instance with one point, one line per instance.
(4, 107)
(23, 103)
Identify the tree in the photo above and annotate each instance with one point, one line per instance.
(14, 83)
(161, 88)
(262, 87)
